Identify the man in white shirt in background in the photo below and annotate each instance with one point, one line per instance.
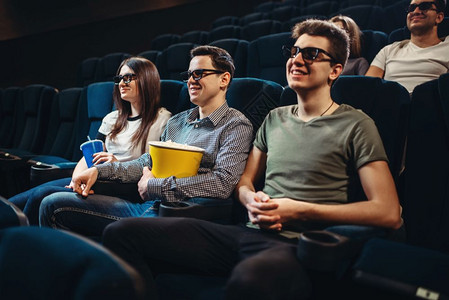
(422, 58)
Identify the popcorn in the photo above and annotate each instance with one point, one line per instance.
(173, 145)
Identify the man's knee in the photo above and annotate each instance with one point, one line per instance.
(268, 277)
(48, 206)
(117, 230)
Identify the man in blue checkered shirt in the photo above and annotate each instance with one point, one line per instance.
(224, 133)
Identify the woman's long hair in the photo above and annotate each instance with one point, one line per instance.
(149, 87)
(354, 32)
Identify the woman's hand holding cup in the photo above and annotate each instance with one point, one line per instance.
(101, 157)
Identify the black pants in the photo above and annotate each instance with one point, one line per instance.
(259, 265)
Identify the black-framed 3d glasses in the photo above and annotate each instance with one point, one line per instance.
(423, 6)
(309, 54)
(198, 74)
(127, 78)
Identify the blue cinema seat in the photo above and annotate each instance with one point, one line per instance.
(86, 71)
(265, 59)
(173, 97)
(254, 98)
(372, 42)
(163, 41)
(45, 264)
(284, 13)
(108, 65)
(199, 37)
(326, 8)
(58, 145)
(225, 32)
(266, 6)
(226, 20)
(288, 25)
(95, 102)
(395, 15)
(174, 60)
(9, 124)
(99, 104)
(366, 16)
(420, 268)
(254, 30)
(391, 270)
(426, 203)
(11, 215)
(387, 103)
(37, 101)
(348, 3)
(238, 49)
(252, 17)
(151, 55)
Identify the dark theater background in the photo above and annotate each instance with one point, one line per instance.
(44, 41)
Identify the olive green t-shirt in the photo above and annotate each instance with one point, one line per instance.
(312, 161)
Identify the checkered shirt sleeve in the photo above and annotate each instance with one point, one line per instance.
(125, 172)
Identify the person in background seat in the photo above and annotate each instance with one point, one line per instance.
(357, 64)
(422, 58)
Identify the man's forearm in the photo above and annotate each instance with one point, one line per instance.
(130, 171)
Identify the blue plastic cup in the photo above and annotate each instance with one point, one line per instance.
(89, 148)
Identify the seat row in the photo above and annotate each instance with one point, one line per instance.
(256, 24)
(248, 28)
(261, 58)
(367, 16)
(270, 5)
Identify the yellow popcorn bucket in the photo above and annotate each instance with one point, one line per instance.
(173, 159)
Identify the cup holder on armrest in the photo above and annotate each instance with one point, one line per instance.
(323, 250)
(12, 163)
(41, 173)
(187, 209)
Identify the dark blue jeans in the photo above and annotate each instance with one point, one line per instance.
(90, 215)
(30, 200)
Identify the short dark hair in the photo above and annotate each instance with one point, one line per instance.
(221, 59)
(338, 38)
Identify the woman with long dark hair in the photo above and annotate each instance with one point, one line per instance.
(125, 131)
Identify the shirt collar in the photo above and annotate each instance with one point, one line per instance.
(214, 117)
